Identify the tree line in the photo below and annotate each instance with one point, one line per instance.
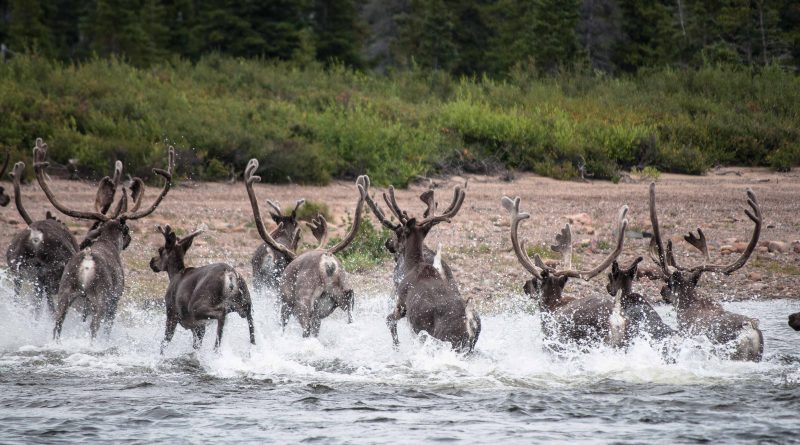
(477, 37)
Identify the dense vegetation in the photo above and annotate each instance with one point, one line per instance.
(469, 37)
(321, 89)
(314, 123)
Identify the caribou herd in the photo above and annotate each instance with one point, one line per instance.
(310, 285)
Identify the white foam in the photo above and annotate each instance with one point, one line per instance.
(509, 351)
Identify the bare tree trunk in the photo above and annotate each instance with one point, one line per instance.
(680, 18)
(763, 34)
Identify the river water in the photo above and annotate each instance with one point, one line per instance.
(350, 386)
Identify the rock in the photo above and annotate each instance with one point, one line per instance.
(739, 246)
(754, 276)
(726, 249)
(586, 242)
(580, 218)
(761, 249)
(589, 230)
(552, 263)
(778, 246)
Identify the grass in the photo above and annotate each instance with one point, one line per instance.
(312, 124)
(776, 267)
(543, 251)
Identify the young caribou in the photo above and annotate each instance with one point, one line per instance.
(96, 273)
(268, 264)
(198, 294)
(583, 319)
(314, 282)
(700, 314)
(426, 292)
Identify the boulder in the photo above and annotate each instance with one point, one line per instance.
(778, 247)
(580, 218)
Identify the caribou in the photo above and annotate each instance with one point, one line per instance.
(198, 294)
(699, 314)
(565, 318)
(268, 264)
(38, 254)
(4, 199)
(95, 273)
(632, 315)
(426, 292)
(314, 282)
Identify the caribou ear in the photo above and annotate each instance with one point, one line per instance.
(186, 242)
(91, 237)
(696, 277)
(634, 267)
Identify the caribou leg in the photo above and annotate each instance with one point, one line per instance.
(285, 313)
(391, 321)
(169, 331)
(197, 336)
(349, 297)
(220, 327)
(64, 302)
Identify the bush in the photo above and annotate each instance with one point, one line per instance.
(367, 249)
(311, 124)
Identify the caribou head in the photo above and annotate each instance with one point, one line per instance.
(681, 281)
(548, 283)
(107, 226)
(407, 244)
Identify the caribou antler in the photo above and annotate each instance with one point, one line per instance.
(657, 252)
(319, 228)
(249, 179)
(428, 199)
(699, 243)
(106, 190)
(665, 258)
(16, 176)
(563, 245)
(433, 219)
(135, 213)
(362, 183)
(376, 210)
(512, 206)
(622, 223)
(391, 201)
(39, 166)
(727, 269)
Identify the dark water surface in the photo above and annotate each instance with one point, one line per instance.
(351, 386)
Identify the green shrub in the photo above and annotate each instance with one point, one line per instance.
(367, 249)
(649, 172)
(309, 124)
(309, 210)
